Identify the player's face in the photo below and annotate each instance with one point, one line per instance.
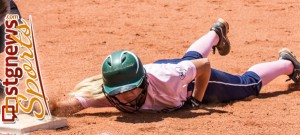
(129, 96)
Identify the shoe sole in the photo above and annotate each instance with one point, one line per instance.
(225, 23)
(221, 20)
(287, 51)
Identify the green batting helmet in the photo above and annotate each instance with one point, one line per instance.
(122, 71)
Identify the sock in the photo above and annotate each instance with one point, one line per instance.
(270, 70)
(205, 43)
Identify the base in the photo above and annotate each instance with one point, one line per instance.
(27, 123)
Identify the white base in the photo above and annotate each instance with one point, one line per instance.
(27, 123)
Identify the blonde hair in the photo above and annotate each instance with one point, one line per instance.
(89, 88)
(4, 9)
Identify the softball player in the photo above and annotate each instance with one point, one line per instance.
(168, 84)
(6, 6)
(10, 7)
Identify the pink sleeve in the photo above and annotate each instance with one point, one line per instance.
(186, 70)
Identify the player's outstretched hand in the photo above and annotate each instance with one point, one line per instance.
(66, 107)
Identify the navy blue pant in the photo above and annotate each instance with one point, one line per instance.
(223, 87)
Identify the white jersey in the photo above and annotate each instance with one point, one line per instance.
(168, 83)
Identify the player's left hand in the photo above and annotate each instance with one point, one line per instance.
(192, 103)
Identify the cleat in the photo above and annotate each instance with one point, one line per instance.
(286, 54)
(221, 27)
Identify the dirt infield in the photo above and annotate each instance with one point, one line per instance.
(74, 37)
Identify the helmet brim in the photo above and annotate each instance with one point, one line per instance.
(112, 91)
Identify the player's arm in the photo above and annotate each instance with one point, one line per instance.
(203, 70)
(69, 105)
(87, 93)
(73, 104)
